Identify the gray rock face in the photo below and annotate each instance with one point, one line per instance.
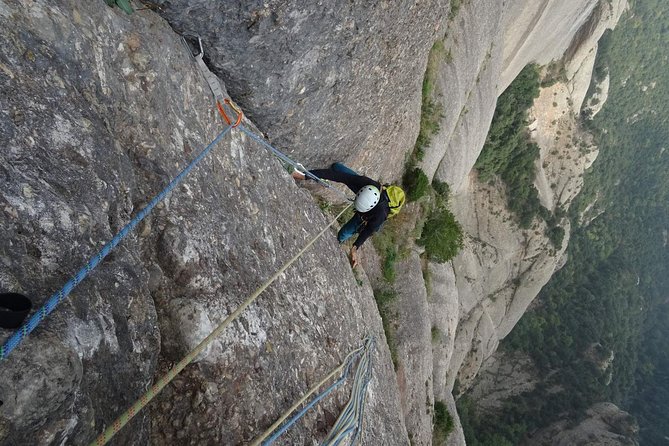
(444, 314)
(543, 31)
(98, 110)
(328, 81)
(467, 86)
(582, 51)
(414, 351)
(67, 185)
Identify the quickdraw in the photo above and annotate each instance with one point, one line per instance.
(212, 81)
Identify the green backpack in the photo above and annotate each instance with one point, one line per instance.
(395, 199)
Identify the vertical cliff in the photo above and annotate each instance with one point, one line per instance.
(502, 267)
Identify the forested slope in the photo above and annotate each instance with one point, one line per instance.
(600, 329)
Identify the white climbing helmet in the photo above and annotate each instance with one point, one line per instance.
(367, 198)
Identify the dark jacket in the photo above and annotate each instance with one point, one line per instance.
(373, 219)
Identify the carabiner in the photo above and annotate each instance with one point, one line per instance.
(233, 106)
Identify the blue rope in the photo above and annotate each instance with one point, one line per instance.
(304, 410)
(59, 296)
(283, 157)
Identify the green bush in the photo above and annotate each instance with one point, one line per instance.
(555, 72)
(388, 265)
(430, 115)
(415, 183)
(431, 111)
(384, 299)
(442, 189)
(554, 231)
(455, 8)
(556, 235)
(443, 423)
(442, 235)
(508, 137)
(436, 334)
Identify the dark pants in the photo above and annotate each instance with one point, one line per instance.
(339, 167)
(342, 174)
(355, 224)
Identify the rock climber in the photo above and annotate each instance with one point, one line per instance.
(374, 203)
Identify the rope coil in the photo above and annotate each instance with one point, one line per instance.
(344, 368)
(350, 420)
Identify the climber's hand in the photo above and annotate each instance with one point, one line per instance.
(297, 175)
(354, 257)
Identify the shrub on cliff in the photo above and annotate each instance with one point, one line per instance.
(415, 183)
(443, 423)
(556, 235)
(442, 189)
(431, 111)
(441, 236)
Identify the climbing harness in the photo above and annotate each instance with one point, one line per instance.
(344, 368)
(174, 371)
(60, 295)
